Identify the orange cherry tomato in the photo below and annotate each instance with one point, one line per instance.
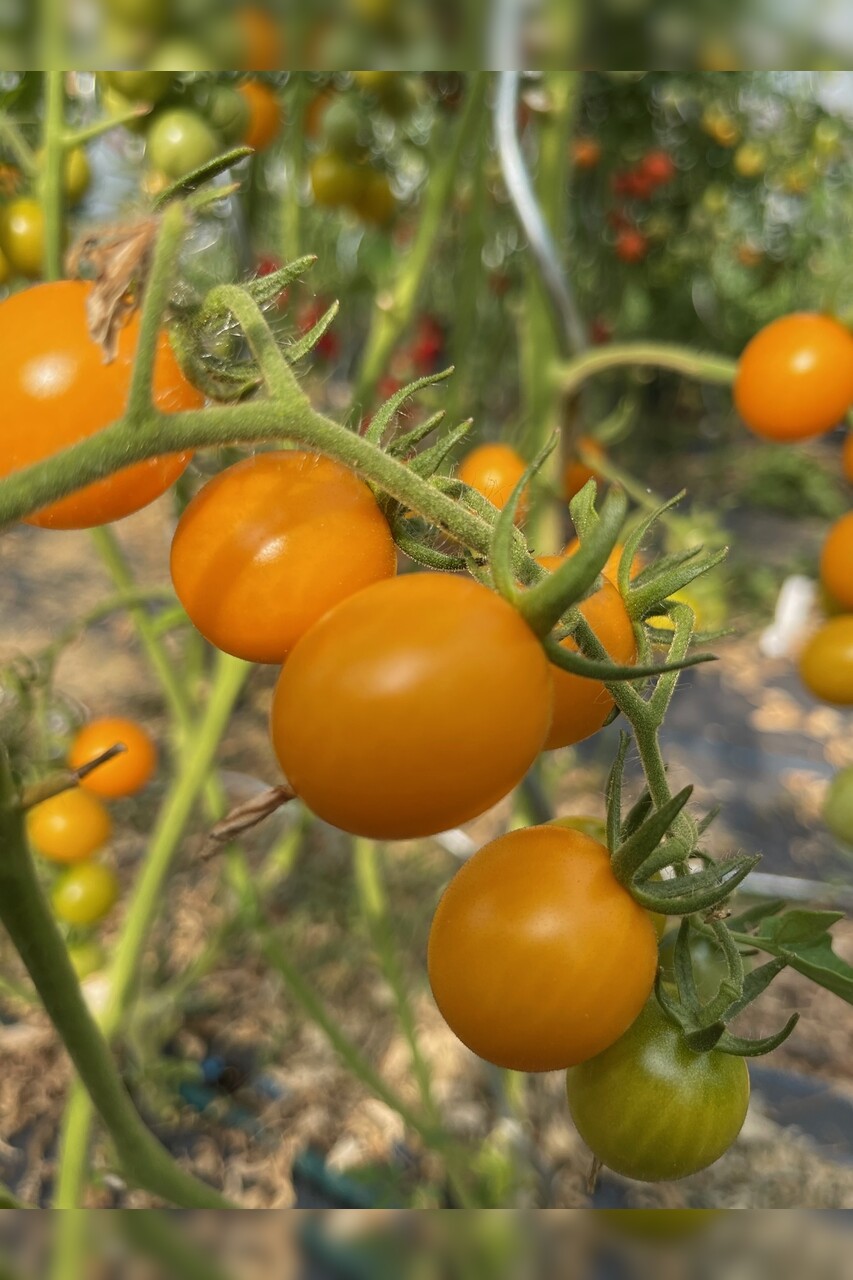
(586, 153)
(538, 957)
(795, 377)
(847, 458)
(412, 707)
(494, 470)
(265, 114)
(374, 200)
(270, 545)
(125, 774)
(58, 390)
(577, 473)
(611, 569)
(836, 562)
(826, 662)
(581, 705)
(261, 40)
(70, 827)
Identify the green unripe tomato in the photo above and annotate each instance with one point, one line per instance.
(335, 181)
(341, 126)
(179, 55)
(650, 1108)
(827, 138)
(22, 236)
(76, 173)
(140, 86)
(838, 806)
(227, 110)
(87, 958)
(85, 894)
(150, 15)
(179, 141)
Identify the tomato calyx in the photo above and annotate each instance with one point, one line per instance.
(704, 1023)
(646, 842)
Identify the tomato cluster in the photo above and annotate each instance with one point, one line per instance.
(71, 828)
(22, 223)
(189, 125)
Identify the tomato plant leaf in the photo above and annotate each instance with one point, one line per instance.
(384, 415)
(629, 858)
(799, 927)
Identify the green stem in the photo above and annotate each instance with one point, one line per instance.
(11, 135)
(52, 196)
(395, 307)
(659, 355)
(145, 901)
(374, 908)
(70, 1245)
(26, 915)
(291, 212)
(157, 293)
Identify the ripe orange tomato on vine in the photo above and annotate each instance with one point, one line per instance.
(611, 568)
(494, 470)
(69, 827)
(538, 957)
(58, 390)
(124, 774)
(577, 473)
(271, 544)
(412, 707)
(795, 377)
(836, 561)
(582, 705)
(265, 114)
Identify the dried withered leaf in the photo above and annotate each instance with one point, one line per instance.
(244, 816)
(116, 258)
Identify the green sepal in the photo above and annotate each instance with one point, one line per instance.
(601, 669)
(613, 794)
(300, 347)
(731, 987)
(384, 415)
(430, 557)
(685, 979)
(704, 1039)
(427, 463)
(696, 891)
(546, 602)
(198, 177)
(219, 379)
(754, 983)
(266, 289)
(505, 530)
(743, 1047)
(628, 859)
(673, 561)
(403, 445)
(637, 814)
(643, 601)
(710, 816)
